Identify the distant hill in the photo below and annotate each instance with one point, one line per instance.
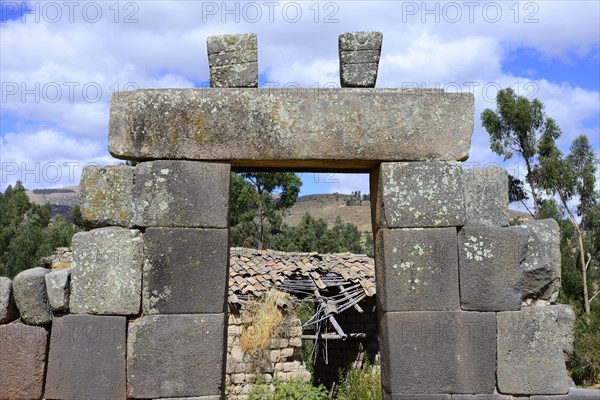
(329, 207)
(61, 200)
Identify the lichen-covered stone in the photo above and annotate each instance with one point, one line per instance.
(541, 268)
(417, 269)
(105, 194)
(490, 260)
(565, 317)
(22, 361)
(334, 128)
(106, 274)
(420, 194)
(233, 60)
(87, 358)
(181, 194)
(359, 58)
(29, 289)
(530, 357)
(58, 287)
(8, 308)
(486, 196)
(185, 271)
(438, 352)
(175, 356)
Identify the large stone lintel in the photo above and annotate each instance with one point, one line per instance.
(244, 126)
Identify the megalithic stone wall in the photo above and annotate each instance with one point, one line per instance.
(464, 300)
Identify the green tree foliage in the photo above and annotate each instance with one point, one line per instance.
(515, 129)
(259, 201)
(28, 232)
(314, 235)
(569, 178)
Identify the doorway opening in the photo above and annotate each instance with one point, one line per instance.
(302, 296)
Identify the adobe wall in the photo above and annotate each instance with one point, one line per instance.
(147, 296)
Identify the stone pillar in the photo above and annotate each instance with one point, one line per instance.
(176, 349)
(429, 346)
(233, 60)
(359, 58)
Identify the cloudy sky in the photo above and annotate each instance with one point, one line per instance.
(60, 61)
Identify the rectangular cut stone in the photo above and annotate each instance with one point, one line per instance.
(390, 396)
(181, 194)
(530, 356)
(420, 194)
(22, 361)
(417, 269)
(176, 356)
(541, 268)
(490, 268)
(87, 358)
(106, 195)
(185, 271)
(345, 129)
(438, 352)
(574, 394)
(8, 308)
(486, 196)
(233, 60)
(481, 397)
(106, 274)
(359, 58)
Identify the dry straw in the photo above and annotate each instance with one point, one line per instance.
(261, 320)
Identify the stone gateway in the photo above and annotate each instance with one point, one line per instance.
(464, 300)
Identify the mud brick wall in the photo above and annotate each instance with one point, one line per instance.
(281, 360)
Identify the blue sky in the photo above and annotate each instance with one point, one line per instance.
(60, 63)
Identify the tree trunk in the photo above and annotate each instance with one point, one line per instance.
(534, 197)
(582, 260)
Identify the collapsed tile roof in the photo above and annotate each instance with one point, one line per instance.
(253, 272)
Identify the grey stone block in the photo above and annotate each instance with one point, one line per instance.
(420, 194)
(106, 195)
(541, 268)
(29, 289)
(574, 394)
(233, 60)
(185, 271)
(22, 361)
(87, 358)
(393, 396)
(58, 287)
(293, 128)
(8, 308)
(359, 58)
(438, 352)
(181, 194)
(530, 359)
(490, 275)
(106, 273)
(417, 269)
(176, 356)
(486, 196)
(565, 317)
(481, 397)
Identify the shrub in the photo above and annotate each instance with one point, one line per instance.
(292, 390)
(360, 384)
